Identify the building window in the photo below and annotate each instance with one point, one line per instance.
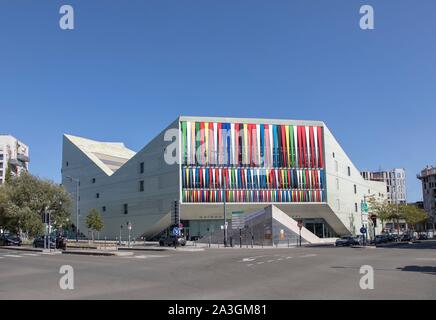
(93, 180)
(66, 163)
(333, 154)
(349, 171)
(126, 208)
(103, 208)
(355, 189)
(141, 167)
(355, 207)
(97, 195)
(141, 185)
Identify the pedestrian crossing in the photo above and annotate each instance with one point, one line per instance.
(259, 260)
(17, 255)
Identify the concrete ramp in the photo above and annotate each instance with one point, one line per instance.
(291, 224)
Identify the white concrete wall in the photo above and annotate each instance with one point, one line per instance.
(341, 196)
(145, 209)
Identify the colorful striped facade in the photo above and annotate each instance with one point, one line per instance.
(252, 162)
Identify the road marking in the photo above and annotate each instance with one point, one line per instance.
(270, 260)
(308, 255)
(288, 257)
(148, 256)
(425, 259)
(248, 259)
(12, 256)
(31, 254)
(279, 259)
(260, 262)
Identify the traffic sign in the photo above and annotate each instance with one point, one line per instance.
(238, 220)
(176, 231)
(363, 230)
(364, 207)
(300, 224)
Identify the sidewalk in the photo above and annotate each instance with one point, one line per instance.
(31, 249)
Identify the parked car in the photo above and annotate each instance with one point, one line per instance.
(172, 240)
(346, 241)
(406, 237)
(422, 236)
(9, 240)
(380, 238)
(39, 242)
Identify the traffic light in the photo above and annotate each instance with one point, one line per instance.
(374, 220)
(175, 213)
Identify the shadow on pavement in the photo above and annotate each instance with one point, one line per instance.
(423, 269)
(422, 244)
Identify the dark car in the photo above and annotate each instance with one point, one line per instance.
(422, 236)
(380, 238)
(9, 240)
(406, 237)
(172, 241)
(39, 242)
(346, 241)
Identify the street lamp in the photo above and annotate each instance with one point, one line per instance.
(77, 204)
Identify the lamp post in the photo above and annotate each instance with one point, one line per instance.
(77, 204)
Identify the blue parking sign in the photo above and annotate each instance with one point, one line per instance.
(176, 231)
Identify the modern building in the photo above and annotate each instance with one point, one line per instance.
(428, 179)
(202, 162)
(395, 183)
(13, 154)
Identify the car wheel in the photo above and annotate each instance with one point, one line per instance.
(161, 243)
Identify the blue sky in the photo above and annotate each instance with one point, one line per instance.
(131, 67)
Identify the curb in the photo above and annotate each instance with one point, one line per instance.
(98, 253)
(161, 249)
(31, 249)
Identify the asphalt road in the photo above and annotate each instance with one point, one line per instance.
(296, 273)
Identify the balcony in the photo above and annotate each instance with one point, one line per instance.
(22, 157)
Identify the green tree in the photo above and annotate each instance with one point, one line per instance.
(382, 209)
(24, 200)
(8, 174)
(94, 221)
(413, 215)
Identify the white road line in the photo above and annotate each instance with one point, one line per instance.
(247, 259)
(288, 257)
(308, 255)
(279, 259)
(260, 262)
(12, 256)
(148, 256)
(426, 259)
(31, 254)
